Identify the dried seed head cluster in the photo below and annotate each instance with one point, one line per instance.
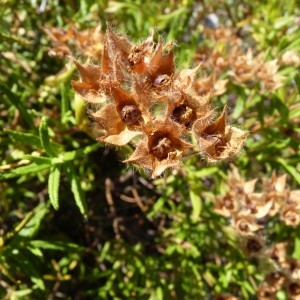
(247, 209)
(136, 95)
(244, 67)
(286, 276)
(249, 212)
(88, 42)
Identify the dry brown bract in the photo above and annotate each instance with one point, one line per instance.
(137, 96)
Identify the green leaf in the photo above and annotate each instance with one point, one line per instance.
(71, 155)
(239, 107)
(281, 108)
(24, 138)
(64, 103)
(204, 172)
(32, 227)
(45, 138)
(28, 169)
(17, 295)
(55, 245)
(196, 205)
(16, 100)
(38, 159)
(53, 186)
(296, 253)
(76, 189)
(295, 45)
(297, 80)
(290, 169)
(284, 22)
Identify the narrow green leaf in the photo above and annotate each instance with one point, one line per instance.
(21, 294)
(39, 160)
(296, 253)
(157, 207)
(45, 138)
(196, 205)
(76, 189)
(239, 107)
(295, 45)
(297, 80)
(71, 155)
(290, 169)
(281, 108)
(205, 172)
(32, 227)
(24, 170)
(64, 102)
(55, 245)
(16, 100)
(53, 186)
(24, 138)
(284, 22)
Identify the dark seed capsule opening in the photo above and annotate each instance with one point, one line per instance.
(183, 115)
(162, 148)
(294, 288)
(253, 246)
(130, 114)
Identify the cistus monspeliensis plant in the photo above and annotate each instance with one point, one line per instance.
(137, 96)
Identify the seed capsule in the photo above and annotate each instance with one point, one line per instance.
(162, 148)
(253, 246)
(183, 115)
(161, 80)
(130, 114)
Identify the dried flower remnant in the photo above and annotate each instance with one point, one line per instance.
(218, 141)
(278, 253)
(253, 245)
(290, 58)
(185, 109)
(293, 289)
(245, 224)
(228, 56)
(226, 205)
(274, 198)
(293, 267)
(275, 279)
(136, 96)
(72, 41)
(225, 297)
(290, 214)
(266, 292)
(162, 148)
(268, 74)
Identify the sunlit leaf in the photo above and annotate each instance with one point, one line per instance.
(45, 138)
(78, 193)
(24, 170)
(53, 185)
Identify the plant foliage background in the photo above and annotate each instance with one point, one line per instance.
(77, 223)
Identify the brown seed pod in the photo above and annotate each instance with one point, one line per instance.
(130, 114)
(161, 148)
(293, 289)
(183, 115)
(253, 246)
